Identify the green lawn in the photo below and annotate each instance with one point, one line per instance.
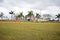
(29, 31)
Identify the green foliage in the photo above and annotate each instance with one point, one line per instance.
(30, 13)
(37, 15)
(1, 14)
(21, 15)
(58, 16)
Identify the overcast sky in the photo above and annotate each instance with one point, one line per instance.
(46, 6)
(36, 4)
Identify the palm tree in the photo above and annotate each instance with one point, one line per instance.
(11, 12)
(1, 15)
(37, 16)
(30, 14)
(20, 15)
(58, 16)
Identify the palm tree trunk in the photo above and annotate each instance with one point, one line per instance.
(11, 16)
(58, 19)
(1, 18)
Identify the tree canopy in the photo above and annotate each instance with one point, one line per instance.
(37, 15)
(30, 13)
(20, 15)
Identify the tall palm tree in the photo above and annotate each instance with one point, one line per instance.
(11, 12)
(20, 15)
(1, 15)
(58, 16)
(37, 16)
(30, 14)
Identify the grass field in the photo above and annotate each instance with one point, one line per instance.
(29, 31)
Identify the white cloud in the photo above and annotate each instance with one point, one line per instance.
(46, 6)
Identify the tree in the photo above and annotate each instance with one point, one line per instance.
(48, 16)
(37, 16)
(1, 15)
(20, 15)
(11, 12)
(58, 16)
(30, 14)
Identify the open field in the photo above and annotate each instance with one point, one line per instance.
(29, 31)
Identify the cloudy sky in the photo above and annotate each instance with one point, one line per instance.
(45, 6)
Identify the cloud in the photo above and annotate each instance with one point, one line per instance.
(36, 4)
